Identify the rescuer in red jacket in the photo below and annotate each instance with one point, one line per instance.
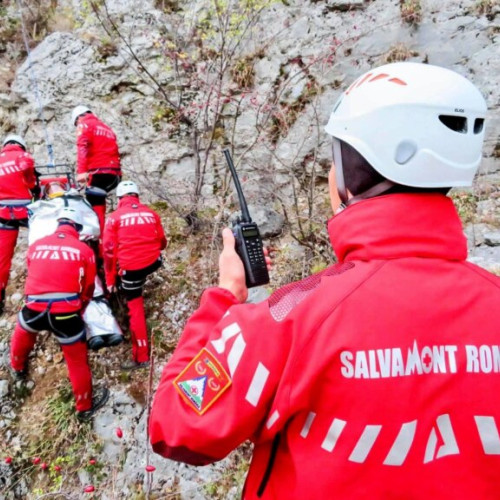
(133, 240)
(98, 159)
(17, 180)
(377, 377)
(59, 285)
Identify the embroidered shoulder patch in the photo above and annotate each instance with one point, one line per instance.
(202, 382)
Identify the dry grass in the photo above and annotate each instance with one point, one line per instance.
(399, 52)
(411, 11)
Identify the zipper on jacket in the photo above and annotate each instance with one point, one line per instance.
(270, 463)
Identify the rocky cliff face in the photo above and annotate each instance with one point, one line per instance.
(179, 81)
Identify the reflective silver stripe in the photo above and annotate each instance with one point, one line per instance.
(449, 446)
(257, 385)
(488, 433)
(132, 285)
(235, 354)
(333, 434)
(70, 340)
(53, 295)
(228, 332)
(272, 419)
(14, 203)
(401, 447)
(23, 323)
(307, 426)
(365, 443)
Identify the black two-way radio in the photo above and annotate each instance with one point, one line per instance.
(248, 241)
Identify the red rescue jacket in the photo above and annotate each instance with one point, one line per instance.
(376, 378)
(133, 238)
(60, 263)
(97, 148)
(17, 177)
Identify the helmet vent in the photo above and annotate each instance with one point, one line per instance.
(455, 123)
(478, 125)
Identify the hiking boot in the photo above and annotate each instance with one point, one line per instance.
(113, 339)
(96, 343)
(134, 365)
(19, 375)
(99, 398)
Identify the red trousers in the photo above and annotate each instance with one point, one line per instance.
(8, 238)
(22, 344)
(100, 210)
(138, 329)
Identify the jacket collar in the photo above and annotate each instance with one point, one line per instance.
(399, 225)
(128, 201)
(12, 147)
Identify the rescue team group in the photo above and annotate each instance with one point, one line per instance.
(337, 379)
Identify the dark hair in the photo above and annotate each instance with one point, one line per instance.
(16, 143)
(360, 176)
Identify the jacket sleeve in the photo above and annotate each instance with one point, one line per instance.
(216, 390)
(82, 148)
(110, 250)
(161, 232)
(28, 166)
(88, 284)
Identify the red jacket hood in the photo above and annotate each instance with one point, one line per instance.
(68, 229)
(128, 201)
(398, 225)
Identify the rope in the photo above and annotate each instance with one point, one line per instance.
(35, 86)
(149, 481)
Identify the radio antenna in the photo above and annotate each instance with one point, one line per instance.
(245, 214)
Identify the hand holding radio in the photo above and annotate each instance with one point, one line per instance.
(231, 269)
(247, 237)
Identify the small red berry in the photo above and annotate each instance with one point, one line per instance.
(92, 461)
(89, 489)
(8, 460)
(119, 432)
(150, 468)
(43, 466)
(57, 468)
(36, 460)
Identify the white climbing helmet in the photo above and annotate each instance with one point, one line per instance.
(70, 213)
(416, 124)
(126, 187)
(14, 138)
(77, 112)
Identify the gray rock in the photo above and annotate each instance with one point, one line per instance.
(492, 239)
(15, 298)
(4, 388)
(269, 221)
(257, 294)
(487, 257)
(476, 234)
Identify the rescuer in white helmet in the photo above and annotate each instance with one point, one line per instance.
(375, 378)
(98, 158)
(133, 240)
(17, 187)
(59, 286)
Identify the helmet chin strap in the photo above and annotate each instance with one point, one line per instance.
(339, 172)
(375, 190)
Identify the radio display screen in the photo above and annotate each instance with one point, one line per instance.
(248, 233)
